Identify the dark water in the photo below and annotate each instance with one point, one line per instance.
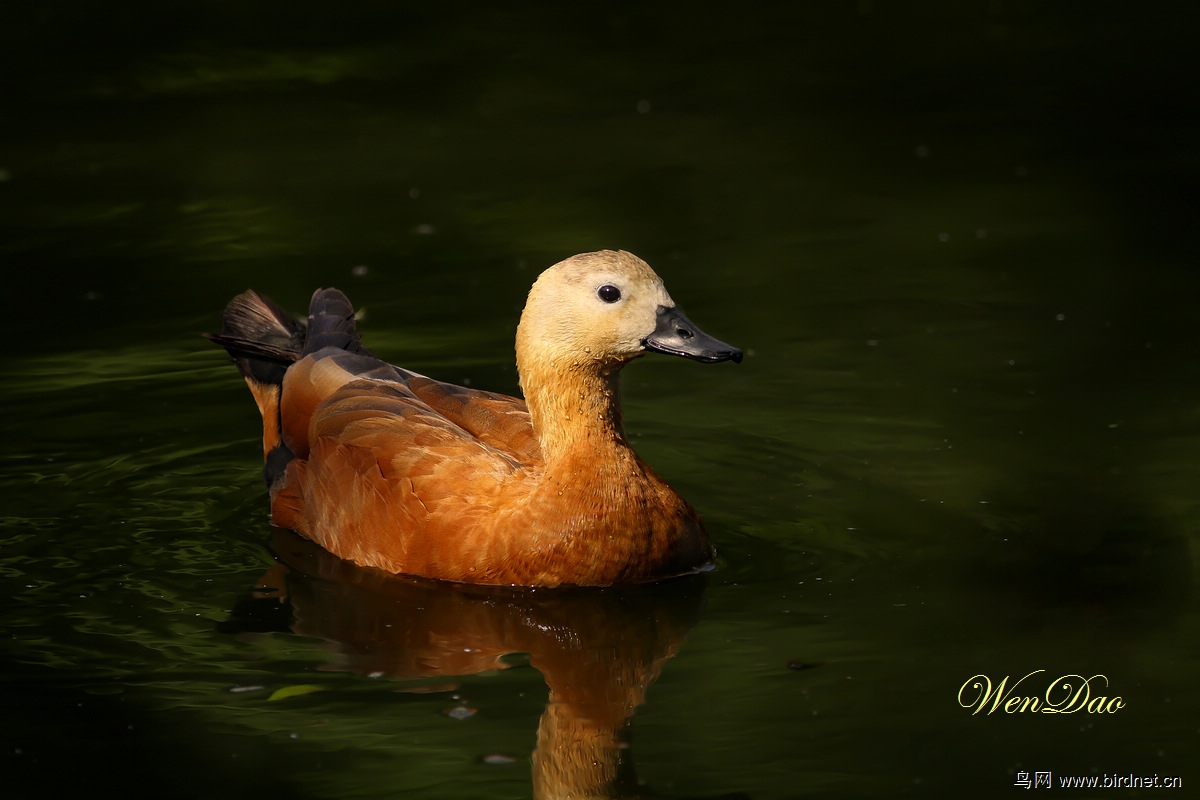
(954, 239)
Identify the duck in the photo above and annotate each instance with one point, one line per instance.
(392, 470)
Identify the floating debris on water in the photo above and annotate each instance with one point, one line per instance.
(499, 759)
(429, 688)
(460, 712)
(294, 691)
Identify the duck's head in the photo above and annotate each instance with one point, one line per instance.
(608, 308)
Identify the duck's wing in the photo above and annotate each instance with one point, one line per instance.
(383, 477)
(496, 420)
(319, 355)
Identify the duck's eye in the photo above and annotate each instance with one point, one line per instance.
(609, 293)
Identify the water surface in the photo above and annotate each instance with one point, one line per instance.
(952, 240)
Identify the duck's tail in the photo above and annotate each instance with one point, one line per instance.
(331, 324)
(265, 340)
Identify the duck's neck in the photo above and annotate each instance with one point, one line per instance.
(574, 404)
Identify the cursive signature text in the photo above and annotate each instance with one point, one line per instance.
(1065, 695)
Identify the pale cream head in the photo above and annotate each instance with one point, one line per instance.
(594, 307)
(584, 319)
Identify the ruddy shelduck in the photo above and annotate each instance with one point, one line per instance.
(394, 470)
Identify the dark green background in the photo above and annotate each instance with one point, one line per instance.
(956, 240)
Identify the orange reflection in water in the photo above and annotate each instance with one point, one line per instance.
(599, 650)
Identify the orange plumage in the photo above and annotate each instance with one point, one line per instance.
(390, 469)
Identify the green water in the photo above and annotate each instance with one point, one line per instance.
(953, 238)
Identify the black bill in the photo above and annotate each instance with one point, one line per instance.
(676, 335)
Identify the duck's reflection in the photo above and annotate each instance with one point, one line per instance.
(598, 650)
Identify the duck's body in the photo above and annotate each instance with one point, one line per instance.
(393, 470)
